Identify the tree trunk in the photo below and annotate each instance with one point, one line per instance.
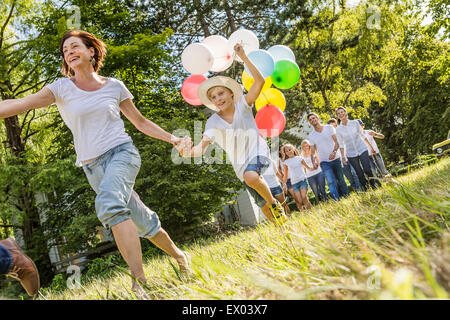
(230, 19)
(201, 18)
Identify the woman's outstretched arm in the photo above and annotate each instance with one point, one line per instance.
(40, 99)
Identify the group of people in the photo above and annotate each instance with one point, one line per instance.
(90, 105)
(331, 153)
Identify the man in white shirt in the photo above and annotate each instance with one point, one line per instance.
(323, 139)
(349, 171)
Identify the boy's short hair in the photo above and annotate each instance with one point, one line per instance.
(332, 120)
(207, 92)
(312, 114)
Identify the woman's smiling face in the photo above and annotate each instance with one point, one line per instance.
(76, 53)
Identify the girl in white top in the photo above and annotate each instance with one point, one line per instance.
(90, 105)
(316, 178)
(293, 166)
(351, 137)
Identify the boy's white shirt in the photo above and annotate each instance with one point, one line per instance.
(371, 141)
(240, 139)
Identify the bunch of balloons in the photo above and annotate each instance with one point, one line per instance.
(277, 65)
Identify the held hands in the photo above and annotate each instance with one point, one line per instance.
(183, 145)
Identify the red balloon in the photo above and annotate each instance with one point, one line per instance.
(270, 121)
(189, 89)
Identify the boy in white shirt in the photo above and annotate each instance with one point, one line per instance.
(376, 158)
(234, 129)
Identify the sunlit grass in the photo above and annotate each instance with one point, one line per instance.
(391, 243)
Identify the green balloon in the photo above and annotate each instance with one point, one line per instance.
(286, 74)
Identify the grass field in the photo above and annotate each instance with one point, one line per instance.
(391, 243)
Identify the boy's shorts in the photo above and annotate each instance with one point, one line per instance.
(259, 164)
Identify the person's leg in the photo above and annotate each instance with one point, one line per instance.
(282, 199)
(299, 201)
(355, 177)
(292, 193)
(339, 175)
(331, 180)
(257, 182)
(163, 241)
(304, 196)
(112, 177)
(380, 164)
(127, 241)
(348, 174)
(354, 161)
(365, 161)
(314, 184)
(373, 165)
(322, 189)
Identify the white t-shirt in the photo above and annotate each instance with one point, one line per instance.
(371, 141)
(240, 139)
(324, 142)
(309, 173)
(92, 116)
(295, 169)
(351, 137)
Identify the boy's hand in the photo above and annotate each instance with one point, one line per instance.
(240, 52)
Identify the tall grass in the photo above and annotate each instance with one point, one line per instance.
(390, 243)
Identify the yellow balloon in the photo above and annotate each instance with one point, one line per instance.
(247, 81)
(271, 96)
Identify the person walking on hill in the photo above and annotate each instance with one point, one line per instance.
(323, 139)
(351, 137)
(90, 105)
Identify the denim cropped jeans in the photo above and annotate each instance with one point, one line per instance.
(335, 176)
(112, 176)
(363, 168)
(317, 184)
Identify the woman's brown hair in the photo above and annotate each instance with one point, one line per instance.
(89, 41)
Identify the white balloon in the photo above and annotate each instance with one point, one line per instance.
(281, 52)
(197, 58)
(245, 37)
(223, 56)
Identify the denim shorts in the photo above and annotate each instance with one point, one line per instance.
(276, 191)
(303, 184)
(259, 164)
(112, 176)
(288, 184)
